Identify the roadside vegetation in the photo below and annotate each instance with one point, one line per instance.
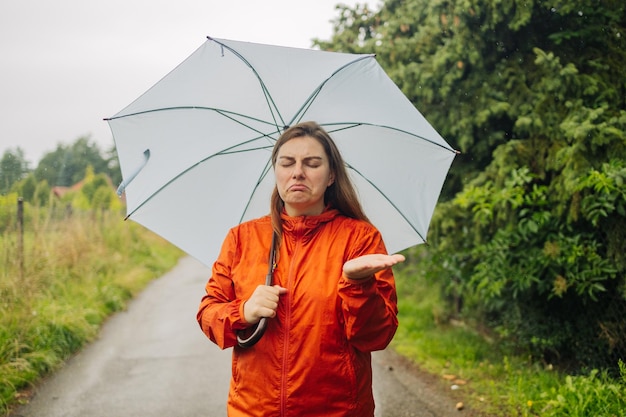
(74, 269)
(488, 376)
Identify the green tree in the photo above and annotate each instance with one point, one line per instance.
(26, 188)
(92, 182)
(66, 165)
(113, 166)
(96, 193)
(13, 167)
(531, 232)
(42, 194)
(37, 194)
(102, 198)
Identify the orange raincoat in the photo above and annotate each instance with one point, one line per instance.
(314, 359)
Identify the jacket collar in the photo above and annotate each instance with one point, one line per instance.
(306, 225)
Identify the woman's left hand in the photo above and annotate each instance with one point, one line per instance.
(367, 265)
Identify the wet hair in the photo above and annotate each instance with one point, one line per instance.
(341, 194)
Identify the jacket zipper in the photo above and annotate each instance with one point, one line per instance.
(284, 371)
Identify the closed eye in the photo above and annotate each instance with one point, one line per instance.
(312, 161)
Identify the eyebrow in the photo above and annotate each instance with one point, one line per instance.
(308, 158)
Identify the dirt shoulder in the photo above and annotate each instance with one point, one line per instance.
(400, 384)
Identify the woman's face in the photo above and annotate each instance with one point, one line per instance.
(302, 173)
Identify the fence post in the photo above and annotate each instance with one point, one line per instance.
(20, 234)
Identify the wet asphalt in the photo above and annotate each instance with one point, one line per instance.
(152, 360)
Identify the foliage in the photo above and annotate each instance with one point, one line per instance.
(63, 167)
(8, 211)
(66, 165)
(530, 236)
(36, 193)
(13, 167)
(491, 379)
(594, 394)
(75, 264)
(26, 187)
(76, 273)
(114, 171)
(96, 193)
(41, 196)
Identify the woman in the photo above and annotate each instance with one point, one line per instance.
(333, 301)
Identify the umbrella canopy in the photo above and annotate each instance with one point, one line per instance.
(195, 148)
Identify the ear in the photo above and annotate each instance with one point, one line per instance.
(331, 180)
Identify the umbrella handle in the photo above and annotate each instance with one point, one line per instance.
(262, 324)
(125, 182)
(255, 336)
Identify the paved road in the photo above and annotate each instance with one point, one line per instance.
(153, 360)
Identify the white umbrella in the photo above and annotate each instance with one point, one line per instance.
(195, 148)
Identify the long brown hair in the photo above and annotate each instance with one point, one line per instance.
(340, 194)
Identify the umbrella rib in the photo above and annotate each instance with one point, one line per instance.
(357, 124)
(299, 115)
(223, 112)
(226, 113)
(268, 97)
(226, 151)
(309, 101)
(388, 200)
(266, 169)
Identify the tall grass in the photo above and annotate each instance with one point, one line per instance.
(488, 378)
(77, 270)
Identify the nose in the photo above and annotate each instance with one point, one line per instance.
(298, 171)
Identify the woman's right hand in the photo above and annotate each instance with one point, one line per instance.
(262, 303)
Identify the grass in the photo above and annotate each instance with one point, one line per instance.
(77, 271)
(490, 379)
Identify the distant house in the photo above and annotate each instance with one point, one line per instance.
(59, 191)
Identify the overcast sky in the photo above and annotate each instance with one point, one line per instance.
(67, 64)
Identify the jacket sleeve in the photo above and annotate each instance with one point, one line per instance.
(220, 314)
(369, 306)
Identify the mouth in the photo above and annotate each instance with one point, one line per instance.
(297, 187)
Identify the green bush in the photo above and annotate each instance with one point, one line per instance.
(531, 238)
(496, 379)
